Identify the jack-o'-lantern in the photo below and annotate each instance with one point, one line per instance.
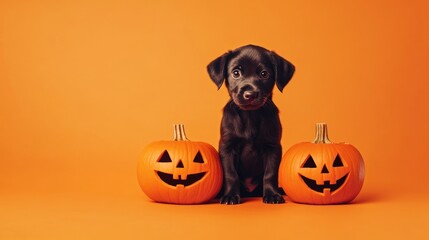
(180, 171)
(322, 172)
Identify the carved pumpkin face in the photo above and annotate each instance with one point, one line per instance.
(322, 172)
(180, 175)
(180, 171)
(327, 176)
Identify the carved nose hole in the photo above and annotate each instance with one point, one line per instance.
(180, 164)
(325, 169)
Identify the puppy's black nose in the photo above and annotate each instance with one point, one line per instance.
(250, 95)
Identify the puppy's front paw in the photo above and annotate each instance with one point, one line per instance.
(273, 199)
(230, 199)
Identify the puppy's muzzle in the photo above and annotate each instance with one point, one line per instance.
(250, 95)
(247, 93)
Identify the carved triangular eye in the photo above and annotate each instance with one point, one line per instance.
(309, 163)
(338, 162)
(165, 157)
(198, 158)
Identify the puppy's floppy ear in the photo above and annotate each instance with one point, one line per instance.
(283, 70)
(217, 69)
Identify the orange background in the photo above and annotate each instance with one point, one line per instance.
(85, 85)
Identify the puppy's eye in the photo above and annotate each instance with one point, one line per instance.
(264, 74)
(236, 73)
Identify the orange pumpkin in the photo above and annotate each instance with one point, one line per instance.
(322, 172)
(180, 171)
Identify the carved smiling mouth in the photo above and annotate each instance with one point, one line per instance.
(190, 179)
(326, 185)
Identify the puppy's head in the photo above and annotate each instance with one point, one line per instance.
(250, 73)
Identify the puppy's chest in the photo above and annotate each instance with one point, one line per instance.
(251, 128)
(252, 134)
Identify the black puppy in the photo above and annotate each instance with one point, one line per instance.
(249, 147)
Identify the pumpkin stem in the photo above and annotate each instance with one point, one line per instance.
(179, 133)
(322, 133)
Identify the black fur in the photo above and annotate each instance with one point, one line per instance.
(249, 147)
